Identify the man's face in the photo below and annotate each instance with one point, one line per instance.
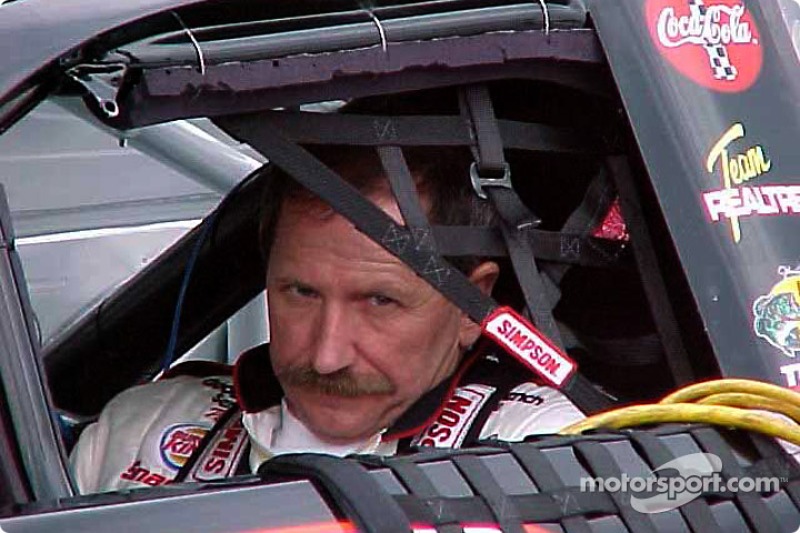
(356, 336)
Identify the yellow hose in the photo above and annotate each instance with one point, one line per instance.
(752, 401)
(706, 388)
(735, 403)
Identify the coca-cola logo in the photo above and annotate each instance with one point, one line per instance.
(713, 42)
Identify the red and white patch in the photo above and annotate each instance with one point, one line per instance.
(524, 342)
(712, 42)
(222, 454)
(451, 426)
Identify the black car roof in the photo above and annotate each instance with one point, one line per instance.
(50, 29)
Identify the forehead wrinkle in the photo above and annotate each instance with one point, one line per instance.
(348, 257)
(301, 233)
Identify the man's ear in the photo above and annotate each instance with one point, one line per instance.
(484, 277)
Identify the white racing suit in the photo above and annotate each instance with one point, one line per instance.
(205, 423)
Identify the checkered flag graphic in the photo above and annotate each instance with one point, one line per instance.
(717, 53)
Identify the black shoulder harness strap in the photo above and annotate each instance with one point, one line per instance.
(350, 485)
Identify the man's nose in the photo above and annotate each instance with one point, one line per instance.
(333, 348)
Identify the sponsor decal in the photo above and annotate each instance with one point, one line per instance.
(139, 474)
(532, 348)
(524, 397)
(451, 426)
(777, 314)
(791, 374)
(715, 43)
(222, 454)
(179, 442)
(222, 400)
(764, 200)
(738, 165)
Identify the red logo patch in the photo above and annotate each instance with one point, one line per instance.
(712, 42)
(223, 452)
(531, 348)
(451, 426)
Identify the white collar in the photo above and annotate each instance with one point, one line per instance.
(277, 431)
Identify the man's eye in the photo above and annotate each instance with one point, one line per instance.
(380, 300)
(302, 291)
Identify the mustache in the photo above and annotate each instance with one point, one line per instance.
(340, 383)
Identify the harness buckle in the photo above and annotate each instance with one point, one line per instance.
(479, 182)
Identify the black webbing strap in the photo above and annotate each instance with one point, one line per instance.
(653, 282)
(444, 130)
(466, 510)
(590, 212)
(586, 396)
(492, 170)
(483, 483)
(697, 513)
(405, 193)
(482, 241)
(549, 507)
(532, 508)
(536, 465)
(603, 465)
(476, 104)
(778, 463)
(523, 261)
(350, 486)
(750, 503)
(421, 486)
(561, 247)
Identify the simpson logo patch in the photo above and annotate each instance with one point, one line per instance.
(454, 421)
(712, 42)
(179, 442)
(222, 454)
(524, 342)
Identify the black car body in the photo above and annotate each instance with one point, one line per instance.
(698, 120)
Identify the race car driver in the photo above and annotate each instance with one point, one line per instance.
(365, 357)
